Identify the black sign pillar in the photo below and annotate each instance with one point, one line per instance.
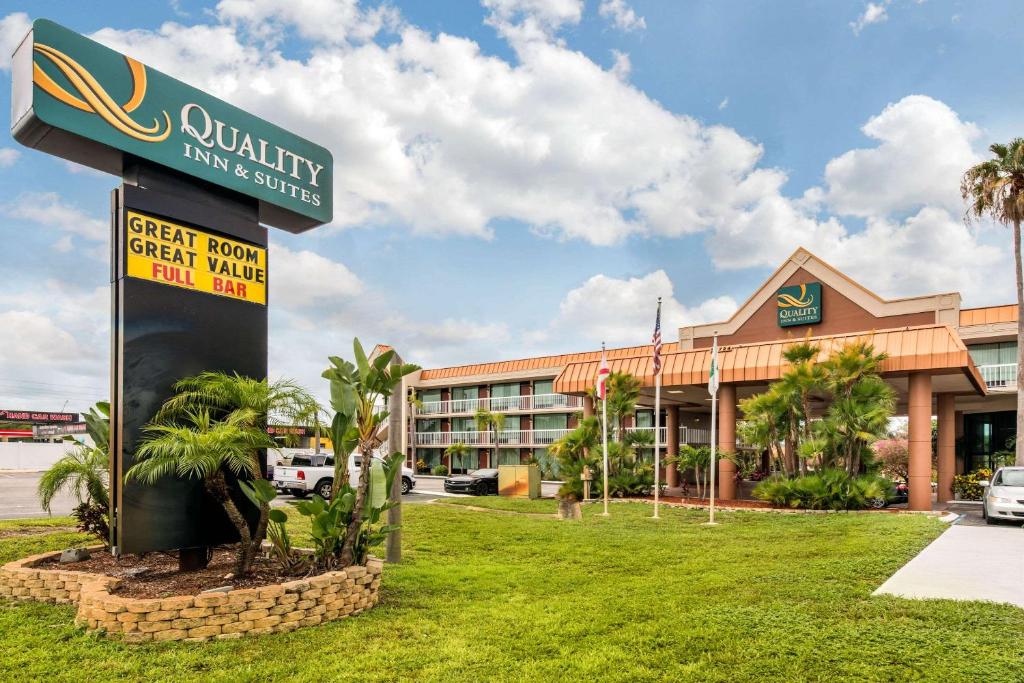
(162, 333)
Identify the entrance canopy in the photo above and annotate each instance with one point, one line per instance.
(936, 349)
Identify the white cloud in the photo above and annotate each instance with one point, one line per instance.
(328, 21)
(300, 279)
(528, 20)
(874, 13)
(723, 104)
(47, 208)
(621, 14)
(13, 29)
(8, 155)
(620, 311)
(923, 150)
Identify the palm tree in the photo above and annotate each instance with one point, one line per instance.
(803, 378)
(457, 451)
(197, 446)
(356, 392)
(492, 422)
(84, 471)
(995, 188)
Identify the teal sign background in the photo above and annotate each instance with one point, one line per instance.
(205, 137)
(799, 305)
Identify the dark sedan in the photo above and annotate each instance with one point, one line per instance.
(479, 483)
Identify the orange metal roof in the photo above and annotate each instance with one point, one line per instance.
(539, 362)
(988, 315)
(928, 347)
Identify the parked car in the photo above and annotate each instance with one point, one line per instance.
(478, 483)
(900, 493)
(1004, 496)
(315, 474)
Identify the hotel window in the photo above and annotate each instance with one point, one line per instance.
(428, 425)
(542, 391)
(427, 458)
(464, 424)
(504, 397)
(1000, 353)
(546, 426)
(430, 400)
(508, 456)
(464, 399)
(510, 430)
(645, 418)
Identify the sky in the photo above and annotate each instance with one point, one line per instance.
(526, 177)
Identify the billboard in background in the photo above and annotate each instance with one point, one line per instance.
(36, 417)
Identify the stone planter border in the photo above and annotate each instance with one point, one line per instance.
(276, 608)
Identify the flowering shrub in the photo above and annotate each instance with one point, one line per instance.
(967, 487)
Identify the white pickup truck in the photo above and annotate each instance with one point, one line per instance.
(315, 474)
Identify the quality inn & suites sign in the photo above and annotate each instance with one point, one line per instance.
(77, 99)
(799, 305)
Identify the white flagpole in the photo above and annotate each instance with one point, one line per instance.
(714, 429)
(604, 438)
(657, 441)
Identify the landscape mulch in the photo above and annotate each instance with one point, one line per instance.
(163, 580)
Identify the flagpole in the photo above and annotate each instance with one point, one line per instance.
(604, 438)
(657, 441)
(713, 383)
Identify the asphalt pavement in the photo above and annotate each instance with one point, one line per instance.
(18, 497)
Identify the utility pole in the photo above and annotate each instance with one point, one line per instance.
(396, 413)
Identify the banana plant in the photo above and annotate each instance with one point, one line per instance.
(356, 389)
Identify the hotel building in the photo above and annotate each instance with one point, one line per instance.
(957, 364)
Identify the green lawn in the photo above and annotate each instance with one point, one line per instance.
(485, 596)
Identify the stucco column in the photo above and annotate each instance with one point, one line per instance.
(946, 413)
(919, 412)
(726, 440)
(672, 444)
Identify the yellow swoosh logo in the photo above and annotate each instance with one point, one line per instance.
(789, 301)
(93, 98)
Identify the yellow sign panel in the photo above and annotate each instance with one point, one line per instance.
(175, 255)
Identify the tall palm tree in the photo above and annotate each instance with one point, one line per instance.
(995, 188)
(492, 422)
(803, 378)
(197, 446)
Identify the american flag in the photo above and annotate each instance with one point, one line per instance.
(656, 340)
(602, 376)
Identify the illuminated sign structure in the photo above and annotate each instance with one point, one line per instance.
(799, 305)
(177, 255)
(200, 181)
(85, 102)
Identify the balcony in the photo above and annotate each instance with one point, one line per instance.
(1001, 377)
(502, 404)
(536, 438)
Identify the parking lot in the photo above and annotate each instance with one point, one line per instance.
(18, 495)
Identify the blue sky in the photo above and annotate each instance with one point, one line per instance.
(517, 177)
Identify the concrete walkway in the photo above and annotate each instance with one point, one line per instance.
(965, 563)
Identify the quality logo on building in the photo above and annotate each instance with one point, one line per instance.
(799, 304)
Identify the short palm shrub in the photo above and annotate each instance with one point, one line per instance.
(85, 471)
(831, 489)
(439, 471)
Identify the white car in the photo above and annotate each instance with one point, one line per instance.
(315, 474)
(1004, 496)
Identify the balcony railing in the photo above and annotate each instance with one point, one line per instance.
(509, 437)
(1002, 376)
(500, 404)
(535, 437)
